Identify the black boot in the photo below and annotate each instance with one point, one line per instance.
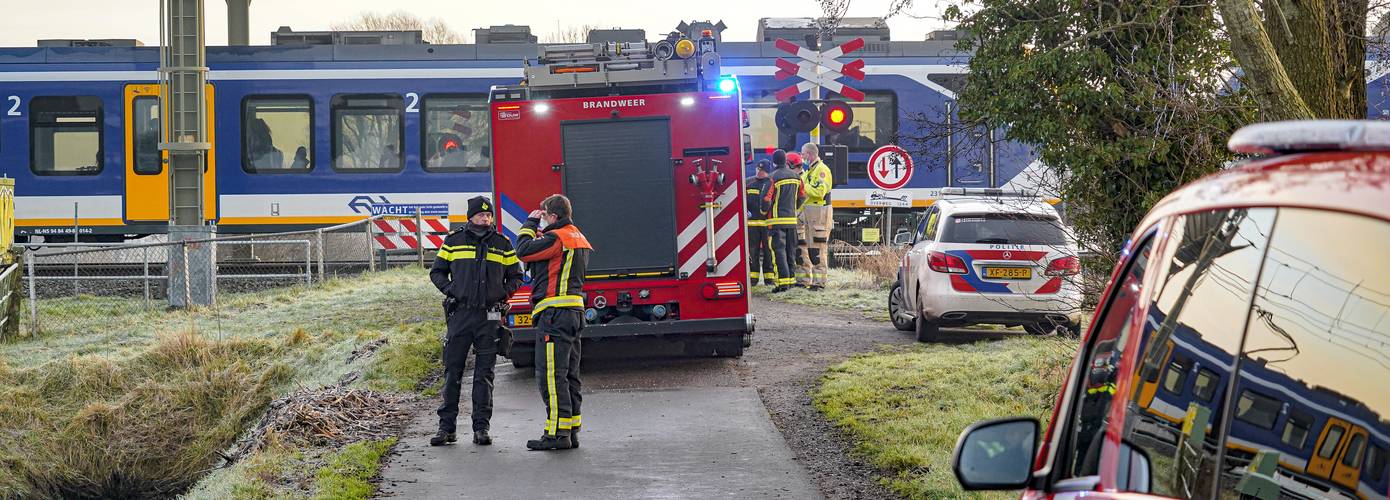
(442, 437)
(574, 438)
(548, 442)
(481, 438)
(780, 289)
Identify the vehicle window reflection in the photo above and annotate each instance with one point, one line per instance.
(1206, 271)
(1319, 343)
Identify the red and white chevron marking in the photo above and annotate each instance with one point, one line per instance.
(400, 234)
(728, 249)
(820, 69)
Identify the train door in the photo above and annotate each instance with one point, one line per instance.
(146, 168)
(1338, 454)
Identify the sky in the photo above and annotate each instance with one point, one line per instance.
(23, 22)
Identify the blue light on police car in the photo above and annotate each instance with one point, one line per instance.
(727, 85)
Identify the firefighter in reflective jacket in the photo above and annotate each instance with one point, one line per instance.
(781, 202)
(477, 270)
(759, 244)
(816, 216)
(557, 258)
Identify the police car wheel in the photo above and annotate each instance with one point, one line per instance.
(901, 320)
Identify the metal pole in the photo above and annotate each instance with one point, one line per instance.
(308, 274)
(371, 257)
(147, 278)
(419, 237)
(187, 287)
(33, 297)
(75, 225)
(319, 233)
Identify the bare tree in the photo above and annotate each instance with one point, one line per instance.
(434, 30)
(574, 33)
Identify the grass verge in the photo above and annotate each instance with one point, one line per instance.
(346, 474)
(113, 400)
(905, 408)
(847, 289)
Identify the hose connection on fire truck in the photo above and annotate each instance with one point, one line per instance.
(646, 141)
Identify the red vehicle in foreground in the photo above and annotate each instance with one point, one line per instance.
(1242, 349)
(646, 141)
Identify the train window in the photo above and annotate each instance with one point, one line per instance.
(875, 122)
(145, 118)
(1207, 267)
(277, 134)
(66, 135)
(1352, 457)
(1175, 376)
(456, 134)
(1204, 385)
(1376, 460)
(1315, 337)
(1296, 429)
(1257, 409)
(1331, 440)
(368, 133)
(1080, 453)
(761, 107)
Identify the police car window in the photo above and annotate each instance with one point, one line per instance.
(1317, 344)
(1205, 270)
(1080, 449)
(1003, 229)
(65, 135)
(277, 134)
(456, 134)
(368, 135)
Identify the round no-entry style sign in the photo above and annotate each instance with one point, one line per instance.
(890, 167)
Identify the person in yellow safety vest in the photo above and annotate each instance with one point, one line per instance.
(781, 200)
(817, 217)
(759, 242)
(802, 270)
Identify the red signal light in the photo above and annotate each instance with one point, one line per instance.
(836, 116)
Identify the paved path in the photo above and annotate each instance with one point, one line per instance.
(709, 442)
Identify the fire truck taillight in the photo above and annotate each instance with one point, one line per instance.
(723, 290)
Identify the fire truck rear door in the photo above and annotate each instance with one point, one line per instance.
(619, 176)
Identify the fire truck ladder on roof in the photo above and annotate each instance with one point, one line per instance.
(610, 64)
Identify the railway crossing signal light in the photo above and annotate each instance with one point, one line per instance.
(798, 117)
(836, 116)
(803, 116)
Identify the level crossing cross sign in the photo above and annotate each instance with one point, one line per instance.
(890, 167)
(820, 69)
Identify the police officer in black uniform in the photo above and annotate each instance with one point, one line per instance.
(477, 270)
(782, 199)
(759, 246)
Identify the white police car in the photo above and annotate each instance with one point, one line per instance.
(987, 256)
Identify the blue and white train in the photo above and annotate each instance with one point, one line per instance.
(312, 135)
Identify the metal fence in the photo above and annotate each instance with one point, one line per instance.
(60, 276)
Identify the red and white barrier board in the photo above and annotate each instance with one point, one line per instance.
(402, 234)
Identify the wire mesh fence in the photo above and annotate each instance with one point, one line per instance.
(59, 278)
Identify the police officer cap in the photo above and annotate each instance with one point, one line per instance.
(765, 165)
(779, 158)
(477, 205)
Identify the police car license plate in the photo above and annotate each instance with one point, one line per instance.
(1009, 273)
(521, 320)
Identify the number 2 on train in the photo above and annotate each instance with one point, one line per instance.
(14, 110)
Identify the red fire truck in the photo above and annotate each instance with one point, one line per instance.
(645, 140)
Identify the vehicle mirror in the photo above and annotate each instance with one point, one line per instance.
(1135, 471)
(996, 454)
(902, 238)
